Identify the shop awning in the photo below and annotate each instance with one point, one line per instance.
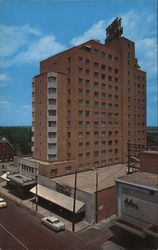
(58, 198)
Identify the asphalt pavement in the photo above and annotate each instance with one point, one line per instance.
(20, 229)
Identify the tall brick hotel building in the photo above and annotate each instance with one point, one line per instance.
(87, 102)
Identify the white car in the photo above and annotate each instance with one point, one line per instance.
(2, 203)
(53, 223)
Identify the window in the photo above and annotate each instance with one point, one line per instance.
(80, 70)
(69, 71)
(103, 105)
(80, 123)
(87, 92)
(80, 59)
(51, 157)
(80, 102)
(80, 155)
(103, 86)
(51, 79)
(52, 101)
(96, 133)
(52, 134)
(51, 145)
(96, 85)
(87, 72)
(87, 103)
(80, 91)
(116, 59)
(116, 71)
(69, 59)
(96, 153)
(87, 113)
(103, 67)
(87, 83)
(103, 114)
(103, 124)
(103, 53)
(103, 76)
(87, 144)
(52, 124)
(96, 74)
(96, 94)
(110, 78)
(80, 144)
(103, 143)
(80, 134)
(87, 166)
(96, 65)
(51, 90)
(80, 80)
(109, 57)
(96, 143)
(53, 172)
(87, 61)
(87, 124)
(96, 51)
(80, 167)
(87, 154)
(52, 112)
(103, 133)
(68, 169)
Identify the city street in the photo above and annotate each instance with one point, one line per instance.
(19, 229)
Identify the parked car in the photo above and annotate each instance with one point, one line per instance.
(53, 223)
(2, 203)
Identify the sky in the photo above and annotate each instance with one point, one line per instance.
(32, 30)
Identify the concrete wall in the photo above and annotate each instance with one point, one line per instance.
(137, 204)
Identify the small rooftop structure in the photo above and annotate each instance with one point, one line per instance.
(86, 181)
(141, 179)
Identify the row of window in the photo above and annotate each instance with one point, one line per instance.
(97, 143)
(96, 52)
(97, 133)
(96, 114)
(97, 153)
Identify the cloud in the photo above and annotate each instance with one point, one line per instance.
(96, 31)
(4, 79)
(25, 44)
(12, 38)
(38, 50)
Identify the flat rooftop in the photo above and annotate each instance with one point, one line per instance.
(46, 163)
(86, 181)
(141, 179)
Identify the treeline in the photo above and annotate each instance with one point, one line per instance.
(19, 137)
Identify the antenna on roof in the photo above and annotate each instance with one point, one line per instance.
(114, 30)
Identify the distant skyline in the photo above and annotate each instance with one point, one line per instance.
(34, 30)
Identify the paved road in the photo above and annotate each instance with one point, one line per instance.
(19, 229)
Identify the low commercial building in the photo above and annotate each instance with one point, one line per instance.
(95, 188)
(137, 203)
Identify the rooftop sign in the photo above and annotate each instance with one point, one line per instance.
(114, 30)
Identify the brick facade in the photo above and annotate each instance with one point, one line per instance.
(106, 203)
(149, 162)
(7, 151)
(98, 104)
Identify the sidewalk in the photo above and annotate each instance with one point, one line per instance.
(42, 212)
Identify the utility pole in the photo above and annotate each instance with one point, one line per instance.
(96, 208)
(74, 204)
(36, 197)
(128, 148)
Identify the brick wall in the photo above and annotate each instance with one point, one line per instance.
(149, 162)
(106, 203)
